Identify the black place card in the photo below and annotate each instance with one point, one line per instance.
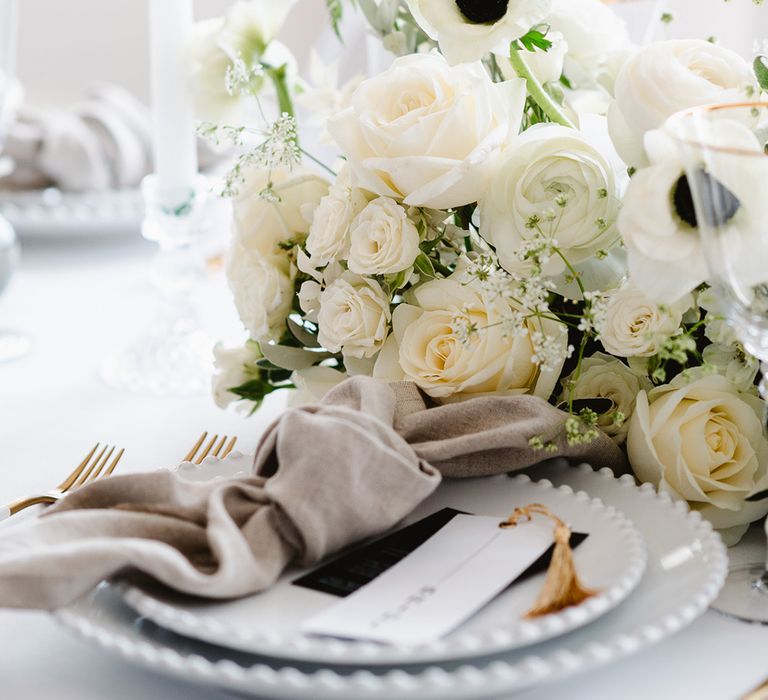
(345, 574)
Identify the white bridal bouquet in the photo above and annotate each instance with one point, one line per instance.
(481, 233)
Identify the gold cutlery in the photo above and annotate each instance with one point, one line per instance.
(215, 447)
(96, 465)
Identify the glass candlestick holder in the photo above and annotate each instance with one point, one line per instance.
(173, 356)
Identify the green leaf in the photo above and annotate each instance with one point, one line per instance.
(254, 390)
(302, 334)
(398, 281)
(535, 39)
(336, 12)
(292, 358)
(424, 265)
(761, 71)
(429, 246)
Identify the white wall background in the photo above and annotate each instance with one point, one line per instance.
(63, 44)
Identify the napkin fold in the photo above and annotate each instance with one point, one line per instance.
(325, 476)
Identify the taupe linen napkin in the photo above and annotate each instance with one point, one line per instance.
(325, 477)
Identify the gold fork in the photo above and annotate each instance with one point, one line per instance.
(96, 465)
(215, 447)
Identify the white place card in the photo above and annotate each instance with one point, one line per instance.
(438, 585)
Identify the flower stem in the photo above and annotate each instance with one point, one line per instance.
(536, 90)
(277, 76)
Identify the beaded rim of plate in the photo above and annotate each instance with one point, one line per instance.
(498, 676)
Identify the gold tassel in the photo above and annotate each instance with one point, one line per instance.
(562, 587)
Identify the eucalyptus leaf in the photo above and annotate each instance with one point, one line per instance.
(299, 331)
(761, 71)
(292, 358)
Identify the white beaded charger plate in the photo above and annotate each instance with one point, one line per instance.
(687, 564)
(53, 214)
(611, 560)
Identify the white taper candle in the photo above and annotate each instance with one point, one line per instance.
(173, 124)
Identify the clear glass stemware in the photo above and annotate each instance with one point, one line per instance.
(12, 343)
(723, 148)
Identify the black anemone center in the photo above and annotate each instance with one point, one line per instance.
(483, 11)
(719, 204)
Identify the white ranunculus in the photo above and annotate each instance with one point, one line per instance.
(606, 377)
(328, 238)
(383, 240)
(260, 224)
(427, 132)
(636, 326)
(232, 365)
(423, 347)
(731, 362)
(666, 77)
(597, 38)
(467, 30)
(665, 251)
(702, 441)
(354, 316)
(553, 176)
(262, 289)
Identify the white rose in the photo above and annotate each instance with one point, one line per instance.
(467, 30)
(235, 368)
(703, 442)
(383, 240)
(605, 377)
(659, 223)
(731, 362)
(424, 348)
(636, 326)
(666, 77)
(597, 40)
(354, 316)
(551, 176)
(260, 224)
(427, 132)
(262, 289)
(328, 238)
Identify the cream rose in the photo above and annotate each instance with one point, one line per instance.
(552, 181)
(424, 348)
(262, 289)
(383, 240)
(703, 442)
(467, 30)
(636, 326)
(605, 377)
(666, 77)
(354, 316)
(261, 225)
(328, 238)
(427, 132)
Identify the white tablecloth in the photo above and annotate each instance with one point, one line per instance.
(80, 301)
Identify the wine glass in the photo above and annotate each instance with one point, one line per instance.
(12, 343)
(726, 164)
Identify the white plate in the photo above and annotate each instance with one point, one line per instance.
(269, 623)
(53, 214)
(686, 569)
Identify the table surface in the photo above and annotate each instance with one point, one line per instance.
(81, 301)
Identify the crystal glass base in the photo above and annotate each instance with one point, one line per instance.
(13, 345)
(745, 594)
(172, 365)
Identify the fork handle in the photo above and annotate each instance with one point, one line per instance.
(23, 503)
